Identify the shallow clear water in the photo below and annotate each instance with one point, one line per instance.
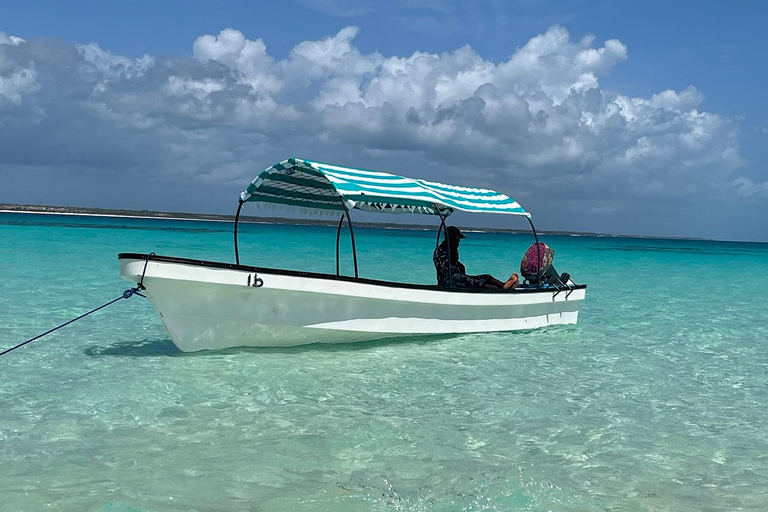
(654, 401)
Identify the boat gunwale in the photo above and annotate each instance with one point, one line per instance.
(332, 277)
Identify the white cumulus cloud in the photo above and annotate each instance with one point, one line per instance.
(745, 187)
(247, 59)
(12, 40)
(17, 83)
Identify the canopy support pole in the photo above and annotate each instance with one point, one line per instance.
(237, 217)
(440, 229)
(338, 235)
(538, 254)
(447, 243)
(351, 234)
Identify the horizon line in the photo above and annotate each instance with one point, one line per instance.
(85, 211)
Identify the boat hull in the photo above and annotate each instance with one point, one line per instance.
(209, 306)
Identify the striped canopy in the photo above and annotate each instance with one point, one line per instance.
(307, 184)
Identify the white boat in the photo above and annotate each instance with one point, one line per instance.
(214, 305)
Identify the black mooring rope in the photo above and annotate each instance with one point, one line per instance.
(127, 294)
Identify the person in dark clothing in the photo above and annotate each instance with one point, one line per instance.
(447, 264)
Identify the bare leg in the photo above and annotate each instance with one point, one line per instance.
(492, 282)
(512, 282)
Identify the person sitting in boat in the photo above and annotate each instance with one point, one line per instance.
(447, 264)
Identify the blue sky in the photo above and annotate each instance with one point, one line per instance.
(656, 125)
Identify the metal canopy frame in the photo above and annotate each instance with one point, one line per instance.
(440, 229)
(308, 190)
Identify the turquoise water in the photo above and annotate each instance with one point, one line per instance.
(656, 400)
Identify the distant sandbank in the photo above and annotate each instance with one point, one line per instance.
(210, 217)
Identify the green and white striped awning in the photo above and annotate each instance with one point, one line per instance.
(307, 184)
